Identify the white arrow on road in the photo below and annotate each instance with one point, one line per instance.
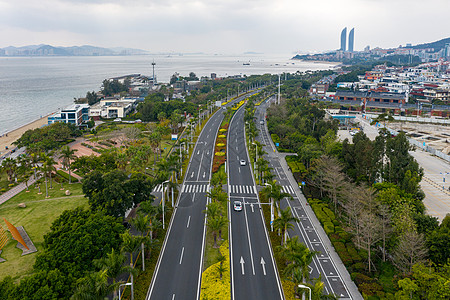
(207, 152)
(198, 152)
(242, 265)
(251, 205)
(192, 175)
(204, 174)
(263, 265)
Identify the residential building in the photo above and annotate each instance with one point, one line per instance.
(112, 108)
(76, 114)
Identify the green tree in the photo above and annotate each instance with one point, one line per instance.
(10, 167)
(284, 222)
(67, 155)
(114, 265)
(94, 286)
(215, 225)
(70, 234)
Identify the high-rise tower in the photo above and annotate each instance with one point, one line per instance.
(344, 39)
(351, 40)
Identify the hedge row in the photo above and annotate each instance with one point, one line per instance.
(212, 286)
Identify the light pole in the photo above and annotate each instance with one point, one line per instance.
(128, 283)
(163, 192)
(256, 156)
(271, 207)
(181, 160)
(305, 287)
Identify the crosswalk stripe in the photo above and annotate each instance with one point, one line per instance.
(182, 189)
(292, 190)
(254, 189)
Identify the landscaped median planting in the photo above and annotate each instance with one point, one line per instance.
(220, 149)
(216, 279)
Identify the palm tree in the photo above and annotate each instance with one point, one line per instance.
(121, 160)
(221, 269)
(213, 210)
(217, 179)
(114, 264)
(24, 168)
(298, 257)
(283, 223)
(93, 287)
(130, 244)
(47, 168)
(215, 225)
(67, 155)
(142, 223)
(10, 167)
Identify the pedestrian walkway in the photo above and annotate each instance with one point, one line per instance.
(242, 189)
(14, 191)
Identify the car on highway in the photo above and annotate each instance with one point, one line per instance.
(242, 162)
(237, 205)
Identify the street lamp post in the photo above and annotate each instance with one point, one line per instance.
(305, 287)
(256, 156)
(163, 192)
(128, 283)
(181, 159)
(271, 207)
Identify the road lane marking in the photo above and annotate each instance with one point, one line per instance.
(173, 296)
(263, 265)
(249, 242)
(181, 258)
(242, 265)
(192, 175)
(189, 220)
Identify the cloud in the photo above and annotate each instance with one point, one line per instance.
(231, 26)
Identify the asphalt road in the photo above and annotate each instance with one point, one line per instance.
(306, 229)
(178, 271)
(253, 271)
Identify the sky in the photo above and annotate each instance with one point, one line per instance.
(222, 26)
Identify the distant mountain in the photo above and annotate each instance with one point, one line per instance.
(86, 50)
(438, 45)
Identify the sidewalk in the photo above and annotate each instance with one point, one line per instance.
(274, 154)
(14, 191)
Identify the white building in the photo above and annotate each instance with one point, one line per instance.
(112, 108)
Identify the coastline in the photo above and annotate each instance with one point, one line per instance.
(11, 136)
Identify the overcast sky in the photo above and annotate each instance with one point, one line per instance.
(222, 26)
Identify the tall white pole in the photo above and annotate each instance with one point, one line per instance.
(279, 84)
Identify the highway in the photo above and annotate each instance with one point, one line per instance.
(179, 268)
(253, 270)
(309, 231)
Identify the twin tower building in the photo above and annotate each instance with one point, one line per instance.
(351, 40)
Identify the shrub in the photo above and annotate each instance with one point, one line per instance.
(220, 144)
(329, 227)
(343, 254)
(353, 252)
(329, 213)
(221, 136)
(220, 153)
(359, 266)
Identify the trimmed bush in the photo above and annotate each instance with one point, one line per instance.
(221, 136)
(353, 252)
(329, 227)
(220, 144)
(329, 213)
(220, 153)
(343, 254)
(359, 266)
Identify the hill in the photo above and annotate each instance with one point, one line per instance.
(438, 45)
(86, 50)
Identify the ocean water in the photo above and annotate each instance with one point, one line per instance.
(32, 87)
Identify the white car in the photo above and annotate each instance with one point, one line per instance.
(237, 205)
(242, 162)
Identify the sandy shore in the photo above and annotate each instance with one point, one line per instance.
(13, 135)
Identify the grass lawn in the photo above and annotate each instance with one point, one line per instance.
(36, 218)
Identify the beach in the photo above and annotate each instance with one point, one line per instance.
(7, 139)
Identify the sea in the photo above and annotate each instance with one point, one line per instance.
(33, 87)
